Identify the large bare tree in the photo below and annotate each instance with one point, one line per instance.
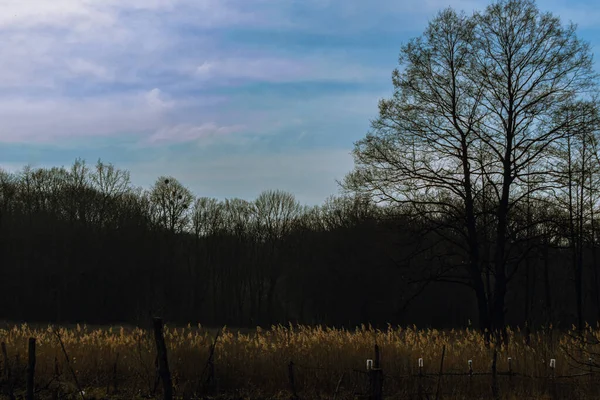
(473, 116)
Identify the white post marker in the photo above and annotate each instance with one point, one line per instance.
(420, 362)
(552, 363)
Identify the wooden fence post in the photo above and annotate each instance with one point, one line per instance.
(553, 377)
(163, 363)
(376, 378)
(470, 387)
(31, 369)
(439, 383)
(291, 380)
(420, 387)
(56, 376)
(495, 390)
(115, 376)
(510, 375)
(591, 379)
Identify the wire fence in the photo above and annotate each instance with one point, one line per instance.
(374, 388)
(371, 382)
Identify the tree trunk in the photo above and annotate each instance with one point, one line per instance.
(497, 310)
(271, 299)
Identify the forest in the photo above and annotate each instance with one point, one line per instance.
(83, 245)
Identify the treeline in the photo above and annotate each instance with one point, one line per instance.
(84, 245)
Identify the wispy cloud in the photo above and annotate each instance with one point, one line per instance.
(183, 133)
(280, 69)
(86, 69)
(52, 119)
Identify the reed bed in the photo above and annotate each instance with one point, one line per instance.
(120, 363)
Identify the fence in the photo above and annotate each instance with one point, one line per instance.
(376, 377)
(428, 385)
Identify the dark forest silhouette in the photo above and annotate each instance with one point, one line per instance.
(83, 245)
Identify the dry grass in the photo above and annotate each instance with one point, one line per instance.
(255, 364)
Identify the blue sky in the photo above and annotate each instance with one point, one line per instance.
(231, 97)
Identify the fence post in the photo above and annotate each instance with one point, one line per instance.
(376, 378)
(291, 380)
(31, 369)
(552, 377)
(163, 363)
(470, 362)
(115, 377)
(420, 393)
(439, 383)
(56, 376)
(510, 375)
(495, 391)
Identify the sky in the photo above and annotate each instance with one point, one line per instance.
(230, 97)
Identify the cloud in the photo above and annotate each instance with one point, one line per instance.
(51, 119)
(183, 133)
(280, 69)
(156, 100)
(88, 69)
(94, 15)
(24, 15)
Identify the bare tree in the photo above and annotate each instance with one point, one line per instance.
(111, 183)
(576, 192)
(276, 214)
(171, 201)
(207, 216)
(493, 82)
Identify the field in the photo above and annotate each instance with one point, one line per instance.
(119, 363)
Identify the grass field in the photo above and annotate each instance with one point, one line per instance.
(119, 362)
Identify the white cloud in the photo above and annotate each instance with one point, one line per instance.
(26, 120)
(182, 133)
(279, 69)
(44, 121)
(150, 117)
(262, 69)
(74, 14)
(87, 68)
(156, 100)
(88, 15)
